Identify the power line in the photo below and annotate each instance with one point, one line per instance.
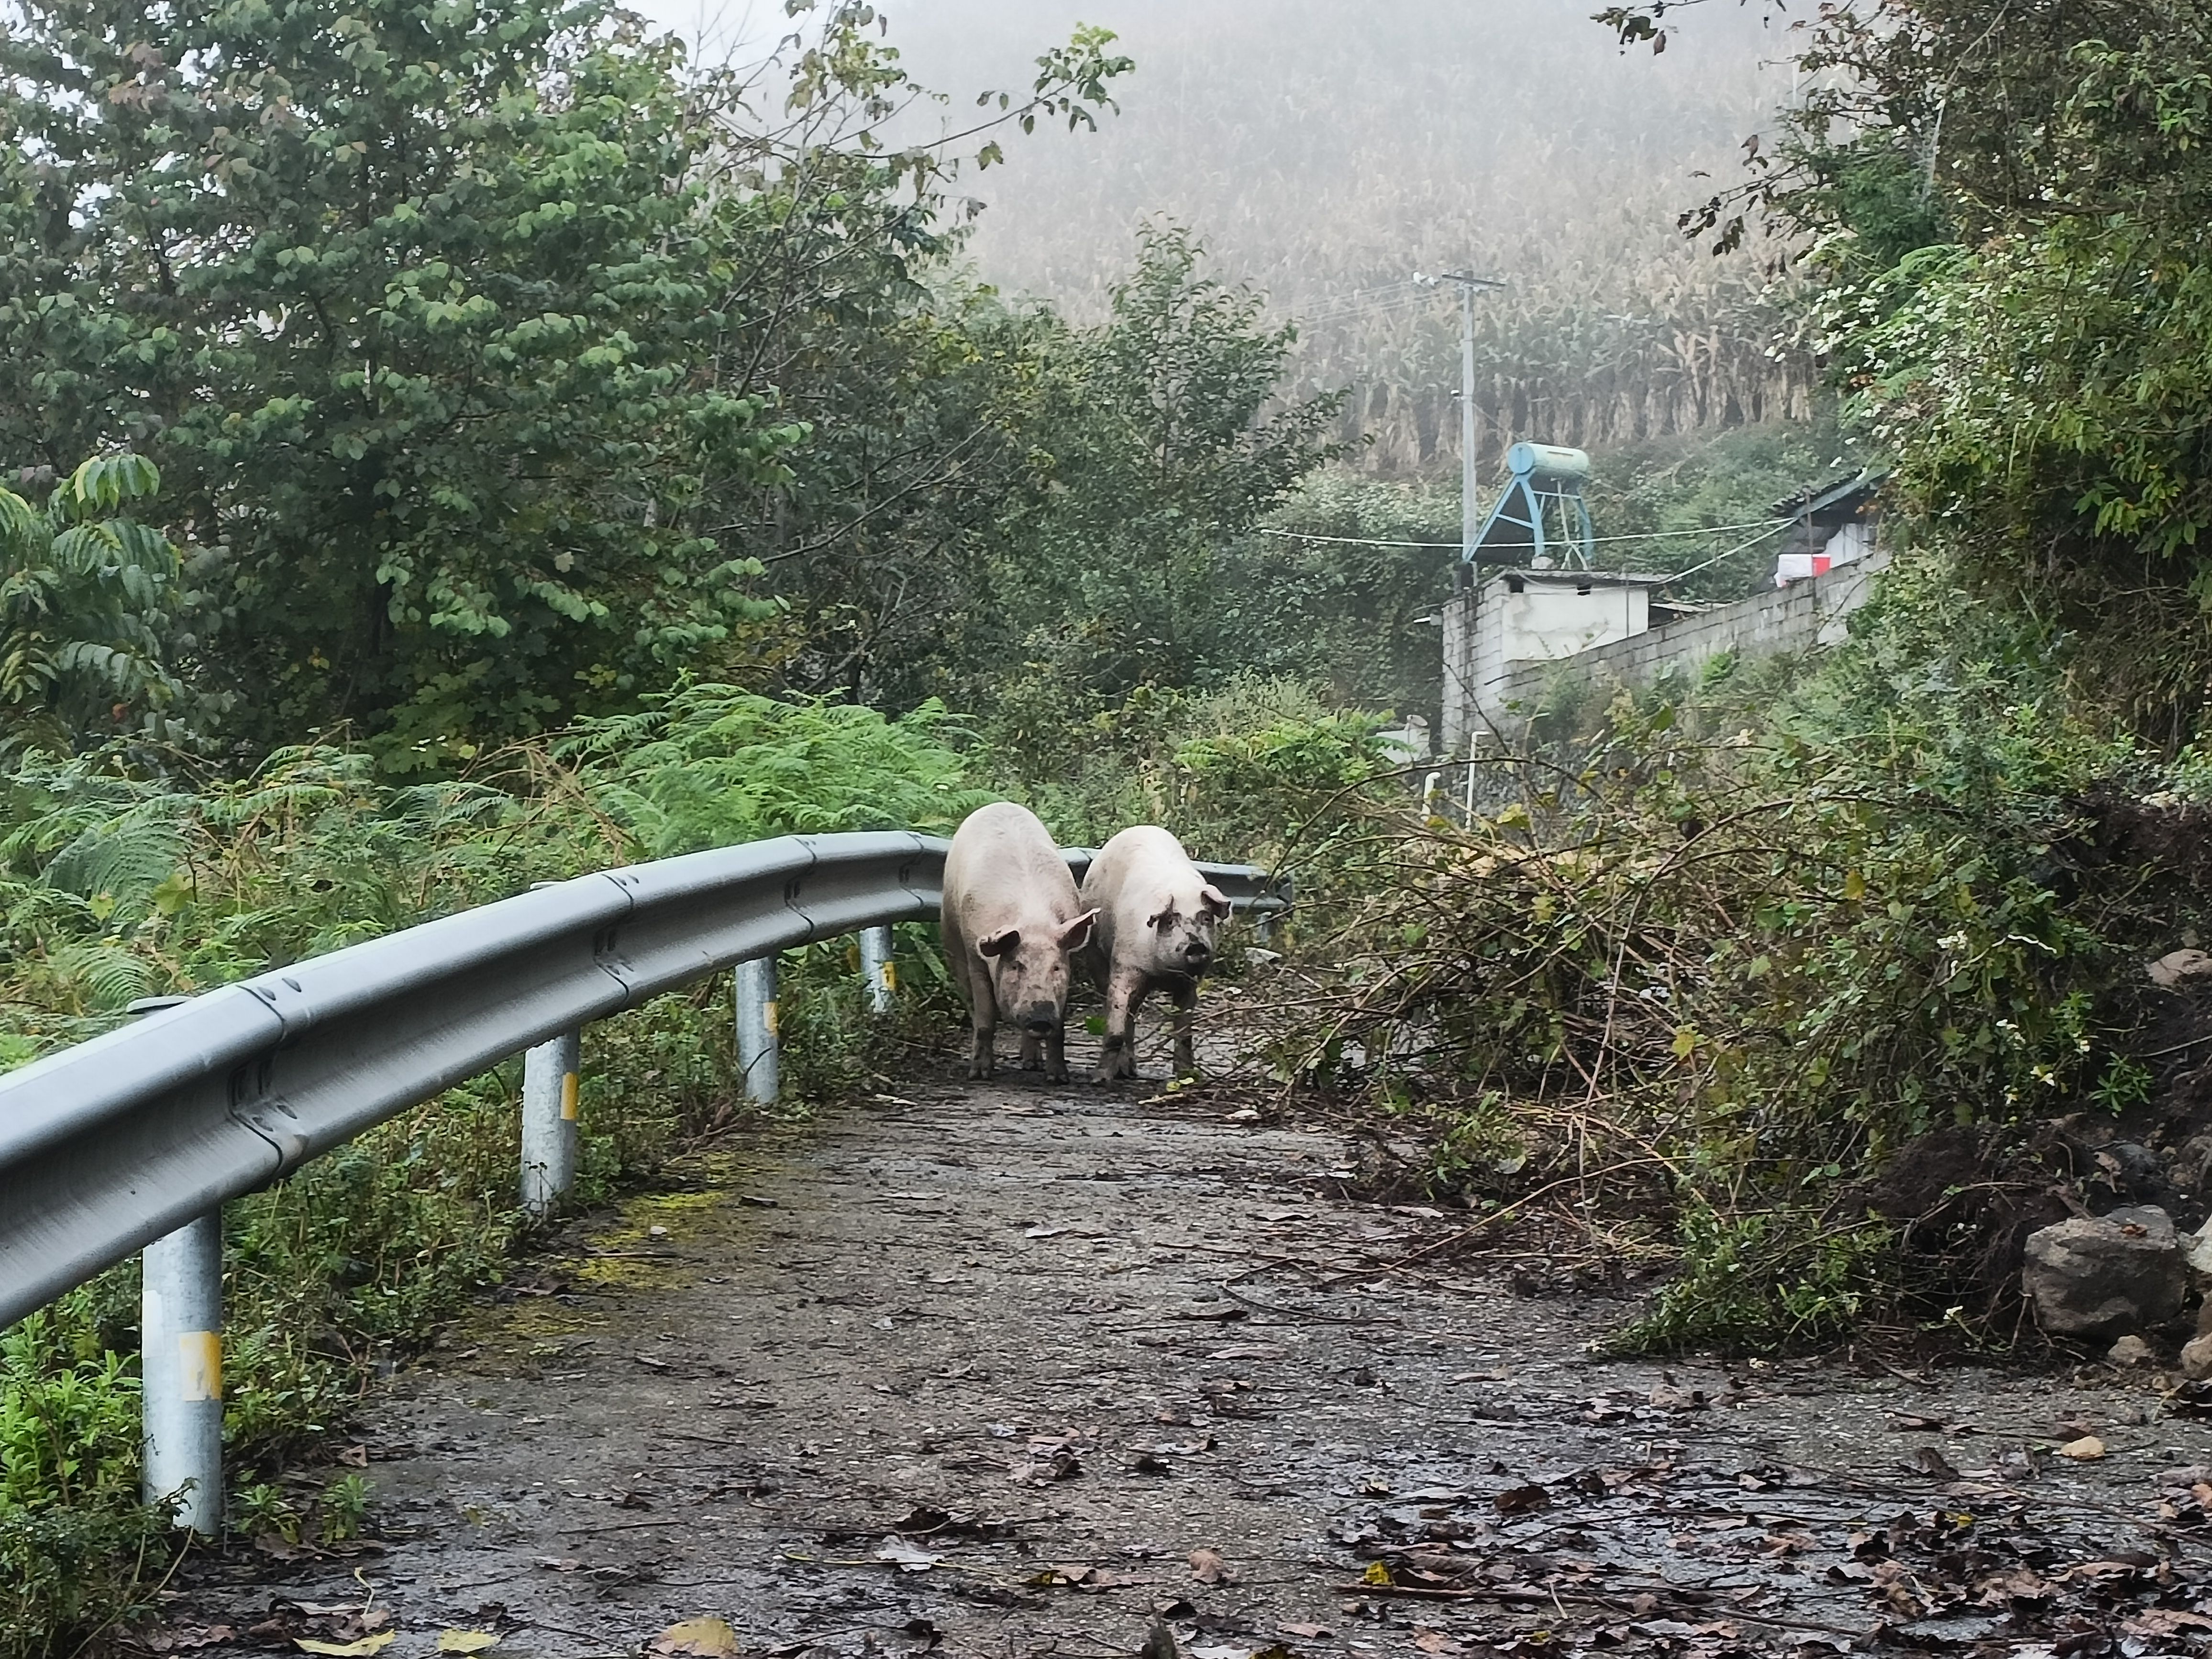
(1767, 526)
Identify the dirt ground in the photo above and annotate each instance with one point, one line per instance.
(1016, 1370)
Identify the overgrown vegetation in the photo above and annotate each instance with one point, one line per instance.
(1698, 968)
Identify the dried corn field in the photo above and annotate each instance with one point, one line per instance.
(1293, 136)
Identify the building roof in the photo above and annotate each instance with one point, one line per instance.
(1844, 494)
(1580, 578)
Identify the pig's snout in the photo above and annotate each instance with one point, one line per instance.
(1042, 1020)
(1197, 953)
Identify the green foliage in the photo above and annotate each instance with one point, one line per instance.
(1724, 956)
(460, 332)
(711, 766)
(1260, 769)
(414, 330)
(2004, 222)
(86, 591)
(1780, 1276)
(1165, 443)
(113, 885)
(74, 1538)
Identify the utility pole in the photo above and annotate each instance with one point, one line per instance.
(1459, 630)
(1470, 514)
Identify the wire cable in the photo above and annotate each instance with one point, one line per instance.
(1767, 527)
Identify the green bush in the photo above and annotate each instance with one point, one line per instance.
(115, 884)
(1718, 959)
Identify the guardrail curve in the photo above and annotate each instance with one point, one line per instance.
(120, 1140)
(135, 1139)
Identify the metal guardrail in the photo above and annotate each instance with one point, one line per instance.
(139, 1135)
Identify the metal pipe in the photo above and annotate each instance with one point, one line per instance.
(879, 968)
(180, 1332)
(757, 1036)
(552, 1072)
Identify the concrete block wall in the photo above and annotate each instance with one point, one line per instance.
(1802, 616)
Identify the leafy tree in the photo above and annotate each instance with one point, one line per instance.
(85, 591)
(1166, 439)
(457, 328)
(2006, 215)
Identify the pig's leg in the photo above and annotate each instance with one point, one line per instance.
(1055, 1054)
(982, 1061)
(1032, 1051)
(1117, 1055)
(1186, 1002)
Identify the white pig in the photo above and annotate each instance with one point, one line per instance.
(1157, 918)
(1011, 920)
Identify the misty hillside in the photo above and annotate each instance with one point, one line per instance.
(1327, 149)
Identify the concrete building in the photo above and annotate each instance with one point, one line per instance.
(1522, 617)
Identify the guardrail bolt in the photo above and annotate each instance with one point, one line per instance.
(180, 1328)
(879, 968)
(551, 1075)
(757, 1033)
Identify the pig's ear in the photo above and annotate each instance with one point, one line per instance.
(998, 943)
(1213, 901)
(1077, 933)
(1164, 915)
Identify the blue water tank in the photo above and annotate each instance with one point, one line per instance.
(1548, 461)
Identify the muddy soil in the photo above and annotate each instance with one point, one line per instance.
(1020, 1369)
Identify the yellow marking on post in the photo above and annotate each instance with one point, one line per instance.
(569, 1082)
(891, 975)
(768, 1018)
(200, 1375)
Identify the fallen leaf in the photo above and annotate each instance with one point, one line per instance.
(465, 1641)
(559, 1563)
(360, 1649)
(354, 1457)
(1519, 1500)
(1208, 1568)
(2164, 1622)
(708, 1637)
(905, 1557)
(1310, 1632)
(2087, 1450)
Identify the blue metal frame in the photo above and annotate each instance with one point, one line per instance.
(1545, 489)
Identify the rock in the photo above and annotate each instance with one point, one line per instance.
(2106, 1276)
(2196, 1359)
(2087, 1450)
(2175, 966)
(2204, 1316)
(2188, 1163)
(2129, 1351)
(2196, 1251)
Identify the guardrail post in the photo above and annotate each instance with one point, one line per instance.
(551, 1073)
(878, 968)
(181, 1365)
(756, 1039)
